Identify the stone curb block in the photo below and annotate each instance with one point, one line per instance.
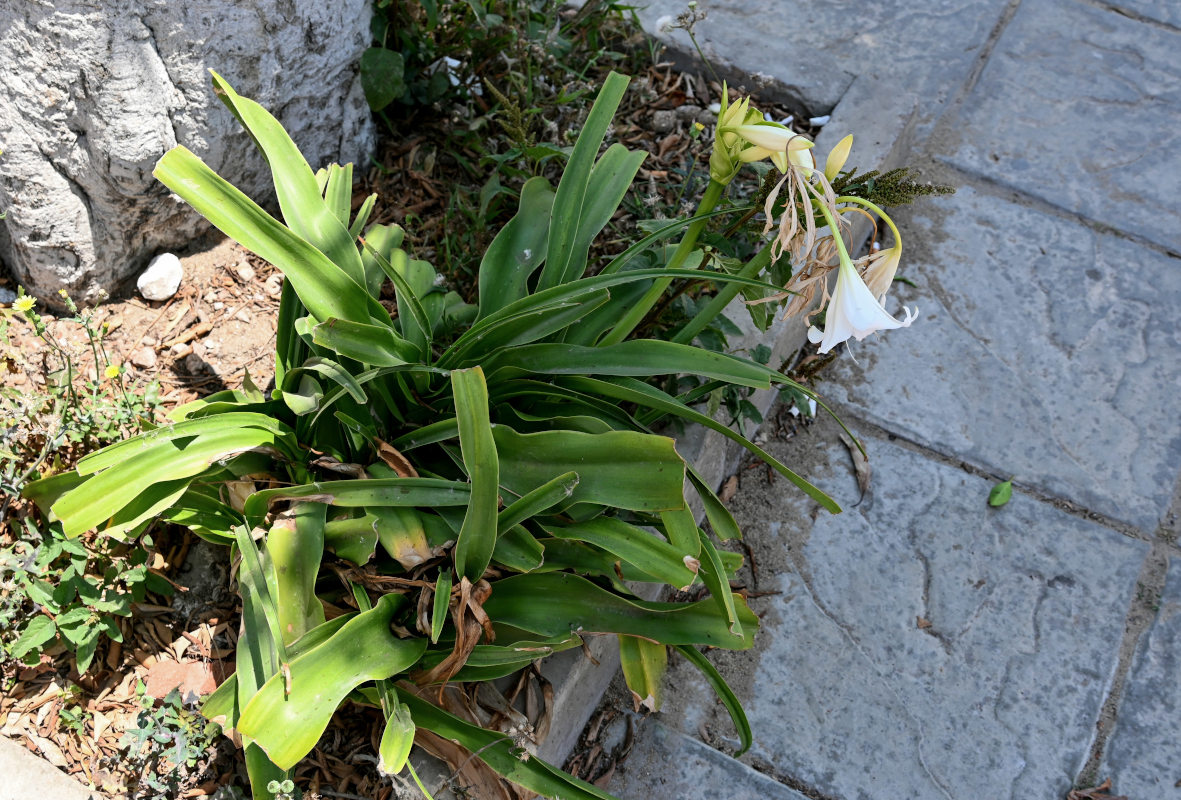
(26, 775)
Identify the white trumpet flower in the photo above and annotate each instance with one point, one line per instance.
(854, 311)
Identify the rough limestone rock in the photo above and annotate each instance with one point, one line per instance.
(94, 92)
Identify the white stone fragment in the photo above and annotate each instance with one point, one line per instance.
(162, 277)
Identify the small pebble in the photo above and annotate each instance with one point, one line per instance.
(144, 358)
(161, 279)
(245, 272)
(244, 316)
(210, 296)
(688, 111)
(274, 285)
(664, 121)
(181, 349)
(218, 306)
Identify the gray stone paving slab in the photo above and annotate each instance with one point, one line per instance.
(816, 49)
(666, 764)
(1081, 106)
(1043, 350)
(922, 644)
(1144, 752)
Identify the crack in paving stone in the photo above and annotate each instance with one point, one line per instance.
(1133, 15)
(949, 306)
(799, 562)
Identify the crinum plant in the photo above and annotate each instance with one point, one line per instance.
(448, 494)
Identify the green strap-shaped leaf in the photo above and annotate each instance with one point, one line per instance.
(536, 501)
(529, 327)
(359, 223)
(681, 529)
(119, 452)
(439, 431)
(554, 604)
(442, 603)
(46, 491)
(720, 518)
(585, 559)
(405, 492)
(580, 289)
(500, 753)
(725, 694)
(323, 287)
(571, 198)
(610, 179)
(637, 358)
(331, 370)
(633, 545)
(518, 550)
(578, 403)
(376, 345)
(153, 501)
(338, 193)
(671, 229)
(221, 705)
(396, 741)
(477, 537)
(413, 319)
(108, 492)
(294, 550)
(304, 208)
(287, 715)
(382, 239)
(634, 391)
(354, 538)
(713, 575)
(644, 664)
(622, 469)
(517, 250)
(262, 590)
(487, 662)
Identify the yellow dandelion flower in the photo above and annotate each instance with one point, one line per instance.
(112, 371)
(24, 303)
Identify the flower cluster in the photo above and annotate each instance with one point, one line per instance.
(854, 308)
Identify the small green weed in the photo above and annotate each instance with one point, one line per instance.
(55, 590)
(70, 397)
(167, 747)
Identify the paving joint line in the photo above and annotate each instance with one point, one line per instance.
(1132, 15)
(1142, 612)
(959, 462)
(983, 56)
(996, 187)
